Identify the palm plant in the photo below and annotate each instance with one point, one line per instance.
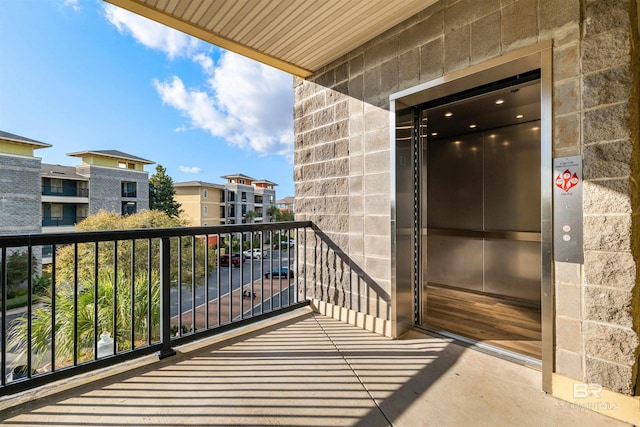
(63, 324)
(273, 212)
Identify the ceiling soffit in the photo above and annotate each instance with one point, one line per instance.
(296, 36)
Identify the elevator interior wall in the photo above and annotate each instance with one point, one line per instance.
(481, 194)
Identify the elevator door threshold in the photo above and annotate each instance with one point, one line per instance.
(485, 319)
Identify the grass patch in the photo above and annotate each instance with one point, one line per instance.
(19, 301)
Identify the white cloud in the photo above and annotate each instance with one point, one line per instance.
(73, 4)
(181, 129)
(190, 169)
(150, 33)
(247, 103)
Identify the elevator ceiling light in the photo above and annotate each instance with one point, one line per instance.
(519, 116)
(500, 101)
(473, 126)
(434, 133)
(448, 114)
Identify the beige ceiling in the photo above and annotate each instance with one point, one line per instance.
(297, 36)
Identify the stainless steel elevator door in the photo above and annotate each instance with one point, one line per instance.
(483, 211)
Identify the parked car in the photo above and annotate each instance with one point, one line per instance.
(236, 260)
(255, 253)
(279, 272)
(286, 243)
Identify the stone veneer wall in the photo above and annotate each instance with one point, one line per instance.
(105, 188)
(20, 194)
(342, 160)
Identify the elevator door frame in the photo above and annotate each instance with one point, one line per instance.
(405, 230)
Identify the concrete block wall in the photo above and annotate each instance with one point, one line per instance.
(342, 159)
(20, 194)
(105, 188)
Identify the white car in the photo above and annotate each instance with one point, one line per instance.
(255, 253)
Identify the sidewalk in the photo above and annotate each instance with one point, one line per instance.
(311, 370)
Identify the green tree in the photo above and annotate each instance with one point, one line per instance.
(17, 270)
(103, 220)
(286, 215)
(250, 216)
(273, 212)
(162, 193)
(44, 326)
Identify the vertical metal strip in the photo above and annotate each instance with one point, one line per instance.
(193, 284)
(3, 321)
(305, 265)
(262, 272)
(296, 282)
(250, 273)
(179, 285)
(30, 309)
(219, 276)
(96, 290)
(75, 304)
(206, 281)
(546, 176)
(133, 294)
(417, 214)
(289, 269)
(230, 315)
(165, 298)
(271, 271)
(53, 308)
(115, 296)
(241, 287)
(150, 301)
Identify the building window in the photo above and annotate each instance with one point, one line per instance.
(244, 196)
(205, 211)
(56, 211)
(128, 208)
(205, 193)
(128, 189)
(56, 185)
(126, 165)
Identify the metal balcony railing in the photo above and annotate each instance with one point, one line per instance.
(129, 193)
(51, 190)
(110, 296)
(61, 221)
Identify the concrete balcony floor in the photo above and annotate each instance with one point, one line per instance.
(305, 369)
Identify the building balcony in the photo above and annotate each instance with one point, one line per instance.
(261, 351)
(61, 221)
(304, 368)
(57, 191)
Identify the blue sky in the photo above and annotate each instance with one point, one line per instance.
(86, 75)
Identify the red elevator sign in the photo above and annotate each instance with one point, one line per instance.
(566, 180)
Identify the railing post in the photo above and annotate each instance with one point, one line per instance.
(165, 296)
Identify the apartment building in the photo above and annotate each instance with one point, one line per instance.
(40, 197)
(202, 203)
(205, 203)
(20, 184)
(246, 194)
(105, 180)
(286, 204)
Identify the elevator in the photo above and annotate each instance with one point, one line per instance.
(479, 166)
(471, 208)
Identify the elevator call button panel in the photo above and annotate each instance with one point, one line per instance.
(567, 209)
